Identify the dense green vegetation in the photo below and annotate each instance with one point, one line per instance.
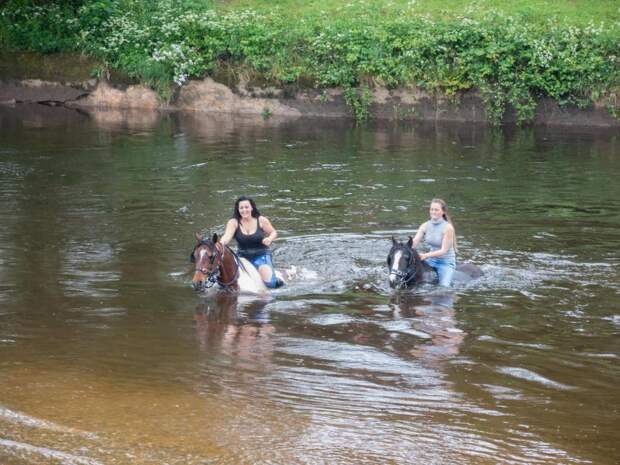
(513, 52)
(573, 12)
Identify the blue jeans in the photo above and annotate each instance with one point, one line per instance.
(261, 260)
(444, 267)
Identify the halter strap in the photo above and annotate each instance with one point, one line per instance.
(406, 275)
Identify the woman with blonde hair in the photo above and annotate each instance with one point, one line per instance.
(438, 234)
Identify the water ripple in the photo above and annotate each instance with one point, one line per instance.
(529, 375)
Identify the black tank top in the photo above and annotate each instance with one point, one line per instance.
(250, 245)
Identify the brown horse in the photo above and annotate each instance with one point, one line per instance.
(216, 263)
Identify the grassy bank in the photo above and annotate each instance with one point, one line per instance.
(571, 12)
(512, 52)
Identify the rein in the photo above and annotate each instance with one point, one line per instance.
(236, 276)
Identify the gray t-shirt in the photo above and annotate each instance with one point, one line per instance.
(434, 237)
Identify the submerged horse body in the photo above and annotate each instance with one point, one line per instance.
(216, 263)
(407, 269)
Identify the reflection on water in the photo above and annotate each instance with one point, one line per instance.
(433, 321)
(235, 326)
(108, 356)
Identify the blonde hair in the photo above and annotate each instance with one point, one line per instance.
(444, 209)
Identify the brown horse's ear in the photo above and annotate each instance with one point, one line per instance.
(214, 238)
(410, 242)
(199, 237)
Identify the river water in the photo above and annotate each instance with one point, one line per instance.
(108, 356)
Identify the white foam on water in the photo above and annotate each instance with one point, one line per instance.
(27, 420)
(529, 375)
(63, 457)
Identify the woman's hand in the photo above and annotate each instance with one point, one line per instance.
(424, 256)
(271, 232)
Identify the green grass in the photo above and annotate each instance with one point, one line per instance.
(576, 12)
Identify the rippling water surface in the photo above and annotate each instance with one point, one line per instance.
(107, 356)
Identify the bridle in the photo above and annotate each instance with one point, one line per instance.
(216, 260)
(214, 274)
(403, 277)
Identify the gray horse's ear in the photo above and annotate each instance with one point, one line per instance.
(214, 238)
(394, 240)
(410, 242)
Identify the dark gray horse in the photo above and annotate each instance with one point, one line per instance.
(407, 268)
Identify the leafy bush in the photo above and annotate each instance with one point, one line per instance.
(166, 42)
(43, 28)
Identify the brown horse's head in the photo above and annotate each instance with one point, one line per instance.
(207, 257)
(215, 263)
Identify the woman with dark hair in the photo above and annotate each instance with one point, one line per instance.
(438, 234)
(254, 234)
